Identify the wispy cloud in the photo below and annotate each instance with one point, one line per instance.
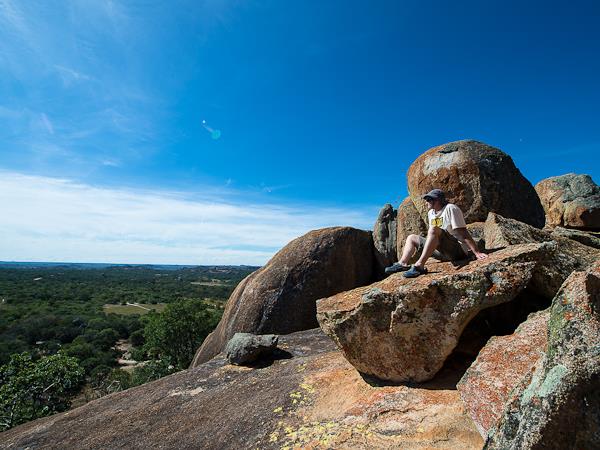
(47, 124)
(54, 219)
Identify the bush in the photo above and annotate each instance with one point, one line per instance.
(137, 338)
(31, 389)
(152, 370)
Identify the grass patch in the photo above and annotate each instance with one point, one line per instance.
(131, 309)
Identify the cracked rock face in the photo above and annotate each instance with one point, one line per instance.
(403, 330)
(478, 178)
(558, 406)
(571, 201)
(501, 365)
(568, 256)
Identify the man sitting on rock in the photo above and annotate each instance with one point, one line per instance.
(447, 238)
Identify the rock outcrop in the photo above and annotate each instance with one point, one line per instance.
(501, 366)
(571, 201)
(314, 400)
(478, 178)
(403, 330)
(384, 238)
(590, 239)
(570, 255)
(245, 348)
(559, 404)
(280, 297)
(409, 222)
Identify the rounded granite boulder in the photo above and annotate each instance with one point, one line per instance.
(570, 201)
(281, 297)
(478, 178)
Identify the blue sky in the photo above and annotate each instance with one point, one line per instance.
(321, 108)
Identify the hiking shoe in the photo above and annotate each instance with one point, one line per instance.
(414, 272)
(396, 267)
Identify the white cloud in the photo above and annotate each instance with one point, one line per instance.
(50, 219)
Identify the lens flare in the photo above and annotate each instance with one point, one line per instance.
(214, 133)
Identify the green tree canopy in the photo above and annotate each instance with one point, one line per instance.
(179, 330)
(31, 389)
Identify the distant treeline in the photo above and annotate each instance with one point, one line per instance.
(57, 312)
(45, 307)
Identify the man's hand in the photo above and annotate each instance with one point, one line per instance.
(480, 255)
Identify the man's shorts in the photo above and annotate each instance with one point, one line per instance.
(449, 249)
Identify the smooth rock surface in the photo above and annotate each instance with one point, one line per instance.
(570, 255)
(403, 330)
(384, 238)
(409, 222)
(478, 178)
(244, 348)
(559, 406)
(315, 400)
(571, 201)
(280, 297)
(500, 367)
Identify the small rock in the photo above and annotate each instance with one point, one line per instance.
(245, 348)
(384, 237)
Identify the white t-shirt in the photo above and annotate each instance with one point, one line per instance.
(449, 218)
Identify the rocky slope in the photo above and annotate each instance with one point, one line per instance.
(312, 399)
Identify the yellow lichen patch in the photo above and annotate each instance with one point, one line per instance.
(301, 367)
(278, 409)
(308, 388)
(274, 436)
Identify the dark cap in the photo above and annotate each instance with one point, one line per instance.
(435, 194)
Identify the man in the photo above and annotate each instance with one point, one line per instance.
(447, 238)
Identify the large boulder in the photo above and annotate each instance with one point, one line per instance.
(384, 237)
(571, 201)
(313, 400)
(570, 255)
(409, 222)
(280, 297)
(403, 330)
(558, 406)
(478, 178)
(502, 365)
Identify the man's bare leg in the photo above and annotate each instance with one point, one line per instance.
(410, 247)
(431, 243)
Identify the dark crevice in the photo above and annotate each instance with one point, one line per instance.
(499, 320)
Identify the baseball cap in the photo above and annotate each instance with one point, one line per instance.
(434, 194)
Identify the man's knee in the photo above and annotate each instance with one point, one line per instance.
(434, 231)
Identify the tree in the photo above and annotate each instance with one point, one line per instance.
(31, 389)
(179, 330)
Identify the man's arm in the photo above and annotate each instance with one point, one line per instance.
(464, 233)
